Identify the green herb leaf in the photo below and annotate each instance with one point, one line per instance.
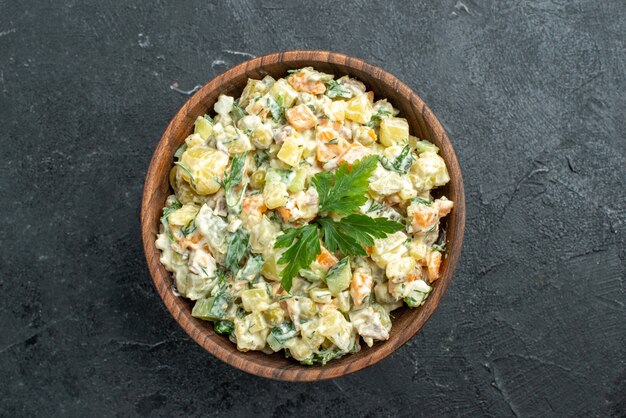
(189, 228)
(276, 108)
(402, 163)
(232, 180)
(351, 233)
(186, 169)
(304, 246)
(237, 247)
(377, 117)
(421, 201)
(209, 118)
(333, 141)
(336, 238)
(237, 111)
(343, 191)
(260, 157)
(166, 213)
(336, 89)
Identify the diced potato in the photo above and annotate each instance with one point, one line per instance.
(184, 215)
(258, 322)
(310, 333)
(255, 300)
(336, 328)
(393, 130)
(281, 90)
(204, 164)
(247, 340)
(235, 140)
(203, 127)
(419, 251)
(291, 151)
(271, 269)
(391, 241)
(254, 88)
(275, 195)
(194, 140)
(429, 171)
(359, 109)
(400, 269)
(298, 349)
(365, 135)
(336, 110)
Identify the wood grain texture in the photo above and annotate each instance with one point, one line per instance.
(423, 123)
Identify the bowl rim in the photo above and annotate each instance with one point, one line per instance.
(204, 337)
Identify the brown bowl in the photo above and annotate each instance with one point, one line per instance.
(423, 124)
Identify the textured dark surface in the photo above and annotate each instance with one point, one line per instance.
(532, 96)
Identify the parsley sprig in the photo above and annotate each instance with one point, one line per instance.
(341, 193)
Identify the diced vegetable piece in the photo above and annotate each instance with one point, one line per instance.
(321, 295)
(336, 328)
(211, 309)
(291, 151)
(429, 171)
(247, 340)
(298, 349)
(274, 315)
(255, 300)
(203, 127)
(262, 136)
(339, 276)
(424, 146)
(298, 182)
(281, 91)
(301, 117)
(275, 195)
(184, 215)
(200, 166)
(281, 335)
(393, 130)
(359, 109)
(365, 135)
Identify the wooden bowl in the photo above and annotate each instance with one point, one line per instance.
(423, 124)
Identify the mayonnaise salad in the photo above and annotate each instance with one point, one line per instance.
(302, 215)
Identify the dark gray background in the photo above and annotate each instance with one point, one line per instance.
(532, 94)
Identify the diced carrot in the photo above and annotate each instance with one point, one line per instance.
(284, 213)
(424, 217)
(434, 262)
(327, 151)
(413, 276)
(326, 259)
(301, 117)
(301, 82)
(372, 134)
(360, 286)
(254, 204)
(354, 152)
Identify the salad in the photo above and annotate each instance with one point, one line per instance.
(302, 216)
